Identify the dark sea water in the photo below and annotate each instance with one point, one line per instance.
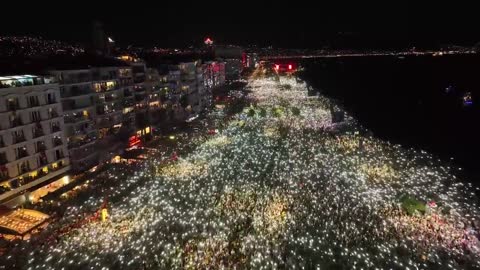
(416, 101)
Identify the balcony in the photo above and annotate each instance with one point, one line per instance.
(79, 143)
(110, 98)
(38, 132)
(104, 77)
(140, 89)
(51, 100)
(41, 147)
(103, 111)
(40, 173)
(102, 87)
(126, 82)
(59, 155)
(24, 169)
(60, 165)
(139, 79)
(76, 119)
(19, 139)
(107, 123)
(81, 91)
(53, 114)
(140, 97)
(42, 160)
(16, 122)
(3, 159)
(13, 106)
(82, 153)
(77, 92)
(36, 119)
(4, 176)
(55, 129)
(57, 142)
(21, 153)
(69, 105)
(81, 78)
(34, 103)
(127, 93)
(83, 129)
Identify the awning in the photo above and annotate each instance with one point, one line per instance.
(20, 221)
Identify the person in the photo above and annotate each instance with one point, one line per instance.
(174, 156)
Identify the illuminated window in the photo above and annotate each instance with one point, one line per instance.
(154, 104)
(110, 85)
(45, 169)
(127, 110)
(147, 130)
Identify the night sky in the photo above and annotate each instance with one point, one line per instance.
(279, 23)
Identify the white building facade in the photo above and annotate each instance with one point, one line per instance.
(33, 148)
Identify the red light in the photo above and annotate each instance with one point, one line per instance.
(290, 67)
(208, 41)
(133, 140)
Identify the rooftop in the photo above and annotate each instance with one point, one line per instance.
(20, 221)
(24, 80)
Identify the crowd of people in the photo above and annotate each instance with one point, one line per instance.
(280, 185)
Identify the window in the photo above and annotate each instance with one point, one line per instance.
(58, 154)
(124, 72)
(57, 141)
(4, 173)
(3, 158)
(2, 143)
(15, 120)
(52, 113)
(32, 101)
(23, 167)
(12, 104)
(55, 127)
(21, 152)
(40, 146)
(37, 130)
(35, 116)
(18, 136)
(51, 98)
(42, 159)
(62, 91)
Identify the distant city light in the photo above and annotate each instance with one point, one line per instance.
(467, 99)
(208, 41)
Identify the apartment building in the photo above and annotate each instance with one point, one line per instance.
(79, 113)
(140, 99)
(33, 149)
(95, 96)
(158, 89)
